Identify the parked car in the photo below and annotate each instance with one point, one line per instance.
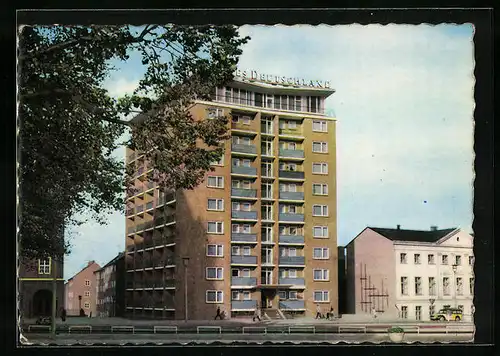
(448, 314)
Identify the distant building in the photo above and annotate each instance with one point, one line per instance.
(35, 287)
(110, 288)
(80, 291)
(410, 273)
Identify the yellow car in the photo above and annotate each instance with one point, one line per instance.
(448, 314)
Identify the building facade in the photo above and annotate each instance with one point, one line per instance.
(260, 230)
(36, 287)
(80, 291)
(410, 273)
(110, 288)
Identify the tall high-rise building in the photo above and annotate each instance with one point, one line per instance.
(260, 230)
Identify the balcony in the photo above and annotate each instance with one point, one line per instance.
(291, 132)
(292, 281)
(292, 305)
(292, 195)
(291, 174)
(244, 215)
(247, 129)
(244, 193)
(131, 230)
(243, 260)
(247, 149)
(291, 153)
(149, 205)
(291, 239)
(244, 281)
(238, 237)
(292, 260)
(245, 171)
(291, 217)
(162, 220)
(243, 304)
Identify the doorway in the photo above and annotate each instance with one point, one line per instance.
(42, 303)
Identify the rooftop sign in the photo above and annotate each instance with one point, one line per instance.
(253, 75)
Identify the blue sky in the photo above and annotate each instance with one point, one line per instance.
(404, 105)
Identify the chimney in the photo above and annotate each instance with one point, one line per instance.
(399, 227)
(90, 263)
(434, 228)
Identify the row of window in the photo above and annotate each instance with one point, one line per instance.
(217, 273)
(320, 168)
(418, 311)
(320, 232)
(214, 250)
(403, 259)
(432, 290)
(217, 296)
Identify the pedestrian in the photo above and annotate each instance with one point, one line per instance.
(257, 314)
(318, 311)
(218, 315)
(329, 315)
(374, 313)
(63, 315)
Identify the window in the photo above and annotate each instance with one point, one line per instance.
(430, 259)
(418, 312)
(402, 258)
(215, 182)
(235, 250)
(241, 206)
(44, 266)
(418, 286)
(446, 286)
(444, 259)
(321, 296)
(404, 285)
(416, 258)
(219, 162)
(321, 253)
(247, 295)
(215, 227)
(214, 296)
(321, 275)
(404, 312)
(292, 273)
(458, 260)
(215, 273)
(238, 119)
(471, 260)
(292, 295)
(245, 273)
(235, 295)
(212, 113)
(215, 204)
(320, 147)
(215, 250)
(242, 140)
(246, 251)
(320, 232)
(471, 286)
(87, 282)
(320, 126)
(432, 286)
(320, 210)
(87, 293)
(320, 168)
(86, 305)
(320, 189)
(241, 229)
(459, 286)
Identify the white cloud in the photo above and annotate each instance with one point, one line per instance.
(121, 86)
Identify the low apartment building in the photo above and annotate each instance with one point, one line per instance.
(80, 291)
(110, 288)
(410, 273)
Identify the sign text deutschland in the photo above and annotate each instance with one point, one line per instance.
(276, 79)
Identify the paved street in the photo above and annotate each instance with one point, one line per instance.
(231, 338)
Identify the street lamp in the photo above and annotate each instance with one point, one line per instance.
(185, 261)
(454, 268)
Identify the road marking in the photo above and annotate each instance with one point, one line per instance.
(165, 328)
(198, 328)
(80, 327)
(123, 328)
(257, 328)
(294, 328)
(47, 327)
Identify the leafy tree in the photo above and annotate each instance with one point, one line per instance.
(69, 125)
